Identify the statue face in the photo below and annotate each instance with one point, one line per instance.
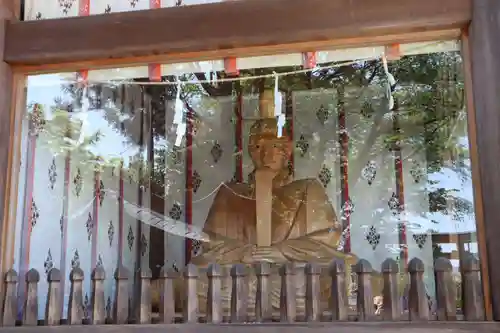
(270, 152)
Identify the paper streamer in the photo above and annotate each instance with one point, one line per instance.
(391, 81)
(178, 115)
(277, 107)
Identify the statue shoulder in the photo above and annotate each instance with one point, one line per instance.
(230, 207)
(316, 197)
(234, 189)
(309, 184)
(228, 197)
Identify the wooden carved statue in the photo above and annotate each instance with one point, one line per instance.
(273, 218)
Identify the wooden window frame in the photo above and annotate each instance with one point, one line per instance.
(199, 32)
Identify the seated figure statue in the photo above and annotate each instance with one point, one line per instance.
(271, 219)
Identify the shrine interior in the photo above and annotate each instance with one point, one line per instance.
(366, 156)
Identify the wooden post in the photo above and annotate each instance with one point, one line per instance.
(191, 297)
(481, 52)
(417, 298)
(472, 294)
(214, 299)
(30, 316)
(167, 303)
(12, 90)
(239, 294)
(313, 292)
(446, 291)
(392, 304)
(75, 307)
(53, 308)
(365, 295)
(121, 306)
(98, 302)
(263, 307)
(338, 299)
(10, 299)
(145, 299)
(288, 299)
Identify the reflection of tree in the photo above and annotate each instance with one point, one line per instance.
(429, 108)
(62, 131)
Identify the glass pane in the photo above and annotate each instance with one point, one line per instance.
(359, 157)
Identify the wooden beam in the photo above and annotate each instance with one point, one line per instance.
(481, 55)
(223, 26)
(335, 44)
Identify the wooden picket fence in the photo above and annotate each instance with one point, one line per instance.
(418, 309)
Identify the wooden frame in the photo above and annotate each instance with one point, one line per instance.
(482, 54)
(9, 83)
(123, 38)
(478, 194)
(50, 45)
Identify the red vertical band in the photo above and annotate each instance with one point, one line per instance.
(238, 133)
(120, 216)
(401, 198)
(344, 182)
(140, 192)
(400, 194)
(27, 217)
(65, 218)
(95, 214)
(121, 197)
(189, 181)
(30, 186)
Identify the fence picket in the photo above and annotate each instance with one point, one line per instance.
(391, 302)
(121, 305)
(167, 303)
(10, 299)
(417, 298)
(75, 306)
(364, 270)
(473, 302)
(241, 279)
(53, 308)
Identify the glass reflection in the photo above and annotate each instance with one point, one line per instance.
(352, 159)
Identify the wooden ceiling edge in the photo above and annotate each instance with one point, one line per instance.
(446, 33)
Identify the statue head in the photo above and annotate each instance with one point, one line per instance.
(265, 147)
